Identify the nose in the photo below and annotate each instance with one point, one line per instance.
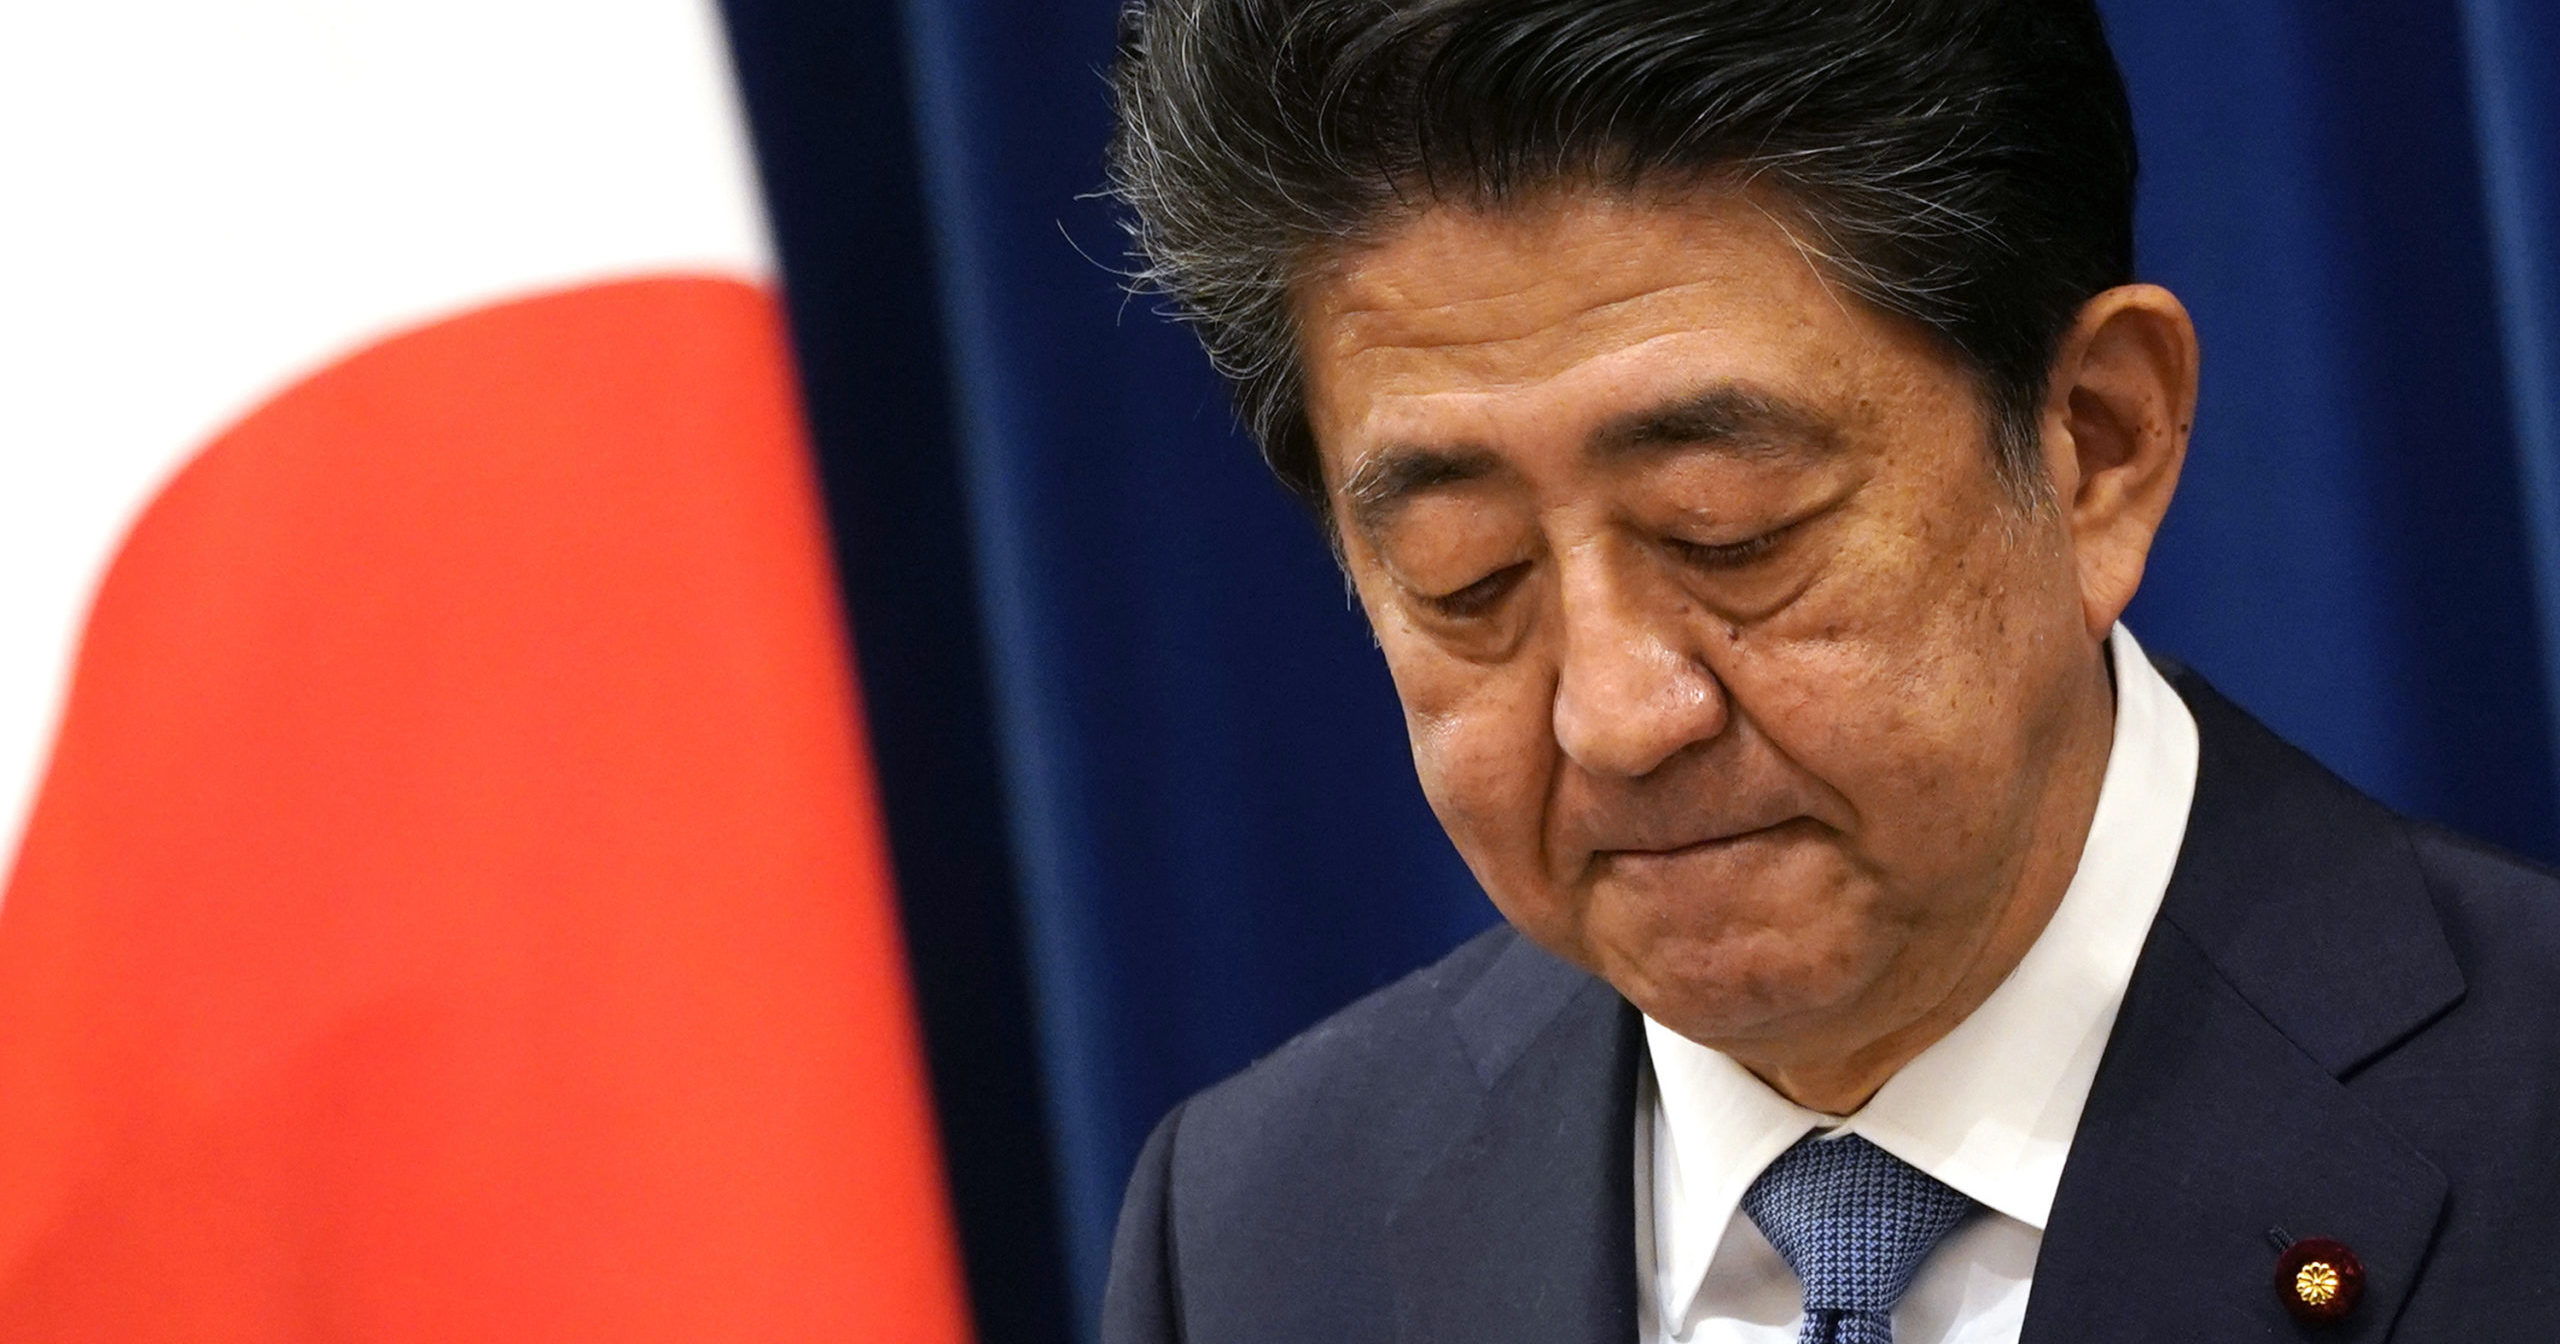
(1630, 691)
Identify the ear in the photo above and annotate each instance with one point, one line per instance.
(2120, 403)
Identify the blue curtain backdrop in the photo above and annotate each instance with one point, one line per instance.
(1147, 782)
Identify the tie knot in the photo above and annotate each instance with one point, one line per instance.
(1854, 1220)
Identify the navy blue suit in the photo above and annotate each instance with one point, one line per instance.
(2344, 1024)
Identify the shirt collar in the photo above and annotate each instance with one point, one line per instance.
(1991, 1107)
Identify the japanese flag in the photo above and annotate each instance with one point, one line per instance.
(449, 900)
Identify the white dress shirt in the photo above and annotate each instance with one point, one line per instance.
(1988, 1109)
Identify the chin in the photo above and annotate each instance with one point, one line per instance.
(1721, 974)
(1728, 943)
(1715, 995)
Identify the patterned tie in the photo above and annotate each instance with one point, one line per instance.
(1856, 1222)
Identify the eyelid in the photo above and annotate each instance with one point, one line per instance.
(1477, 597)
(1730, 554)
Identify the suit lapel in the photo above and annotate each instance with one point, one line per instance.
(2209, 1137)
(2296, 943)
(1523, 1231)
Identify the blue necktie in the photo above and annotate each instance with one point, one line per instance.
(1855, 1221)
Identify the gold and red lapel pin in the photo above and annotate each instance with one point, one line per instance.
(2319, 1280)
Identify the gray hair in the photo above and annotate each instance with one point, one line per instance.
(1966, 164)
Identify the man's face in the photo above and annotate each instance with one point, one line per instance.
(1729, 664)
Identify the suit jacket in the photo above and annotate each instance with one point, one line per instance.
(2344, 1024)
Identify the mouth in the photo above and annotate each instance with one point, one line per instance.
(1706, 843)
(1720, 843)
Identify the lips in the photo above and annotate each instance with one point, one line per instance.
(1622, 835)
(1694, 807)
(1650, 846)
(1707, 841)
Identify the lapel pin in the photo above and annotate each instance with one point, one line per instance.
(2320, 1280)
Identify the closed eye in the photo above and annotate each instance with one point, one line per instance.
(1478, 597)
(1727, 555)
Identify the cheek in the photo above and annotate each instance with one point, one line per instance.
(1985, 631)
(1852, 711)
(1483, 749)
(1904, 687)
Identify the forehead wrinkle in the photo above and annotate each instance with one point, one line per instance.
(1463, 312)
(1450, 261)
(1429, 383)
(1362, 338)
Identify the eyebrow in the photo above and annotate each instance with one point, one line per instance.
(1727, 418)
(1392, 477)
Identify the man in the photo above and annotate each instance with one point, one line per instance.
(1742, 429)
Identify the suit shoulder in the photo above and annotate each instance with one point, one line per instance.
(2477, 1089)
(2501, 912)
(1283, 1176)
(1386, 1050)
